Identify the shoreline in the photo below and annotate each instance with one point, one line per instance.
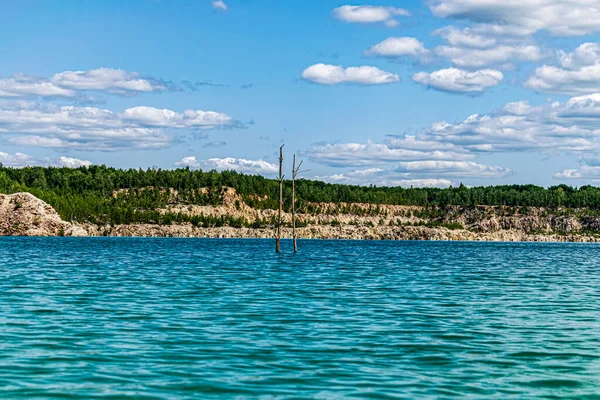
(536, 239)
(349, 233)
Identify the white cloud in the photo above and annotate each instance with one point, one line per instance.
(17, 160)
(219, 5)
(462, 169)
(358, 155)
(411, 142)
(584, 55)
(380, 177)
(577, 72)
(465, 49)
(402, 161)
(89, 128)
(150, 116)
(464, 37)
(557, 80)
(70, 83)
(589, 170)
(449, 150)
(421, 183)
(91, 140)
(259, 167)
(498, 55)
(334, 74)
(395, 47)
(570, 127)
(22, 85)
(518, 17)
(369, 14)
(578, 173)
(190, 161)
(71, 162)
(584, 173)
(105, 79)
(39, 141)
(460, 81)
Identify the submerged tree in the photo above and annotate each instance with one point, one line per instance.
(278, 238)
(295, 172)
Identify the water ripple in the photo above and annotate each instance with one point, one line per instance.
(107, 318)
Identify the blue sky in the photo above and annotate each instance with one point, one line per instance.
(391, 93)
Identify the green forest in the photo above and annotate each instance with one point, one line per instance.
(105, 195)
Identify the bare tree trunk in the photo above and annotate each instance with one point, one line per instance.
(278, 238)
(295, 172)
(294, 204)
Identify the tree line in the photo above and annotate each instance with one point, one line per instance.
(101, 194)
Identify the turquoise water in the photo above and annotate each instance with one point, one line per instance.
(188, 319)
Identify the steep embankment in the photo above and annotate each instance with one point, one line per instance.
(24, 214)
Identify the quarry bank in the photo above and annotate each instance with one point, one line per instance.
(22, 214)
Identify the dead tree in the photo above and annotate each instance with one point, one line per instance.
(278, 238)
(295, 172)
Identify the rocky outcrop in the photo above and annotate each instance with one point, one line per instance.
(23, 214)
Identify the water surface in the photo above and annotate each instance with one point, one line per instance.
(88, 318)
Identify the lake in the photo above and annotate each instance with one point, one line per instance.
(199, 318)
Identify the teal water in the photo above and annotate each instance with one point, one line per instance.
(196, 319)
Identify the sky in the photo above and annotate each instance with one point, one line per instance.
(393, 93)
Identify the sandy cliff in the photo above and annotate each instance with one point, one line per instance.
(24, 214)
(341, 232)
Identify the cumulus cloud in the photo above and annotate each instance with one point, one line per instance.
(252, 167)
(577, 72)
(71, 162)
(464, 37)
(220, 5)
(190, 161)
(23, 85)
(412, 142)
(584, 55)
(462, 169)
(402, 161)
(89, 128)
(464, 49)
(570, 127)
(334, 74)
(369, 154)
(450, 150)
(380, 177)
(70, 83)
(517, 17)
(369, 14)
(459, 81)
(551, 79)
(589, 170)
(395, 47)
(17, 160)
(150, 116)
(92, 140)
(584, 173)
(106, 79)
(498, 55)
